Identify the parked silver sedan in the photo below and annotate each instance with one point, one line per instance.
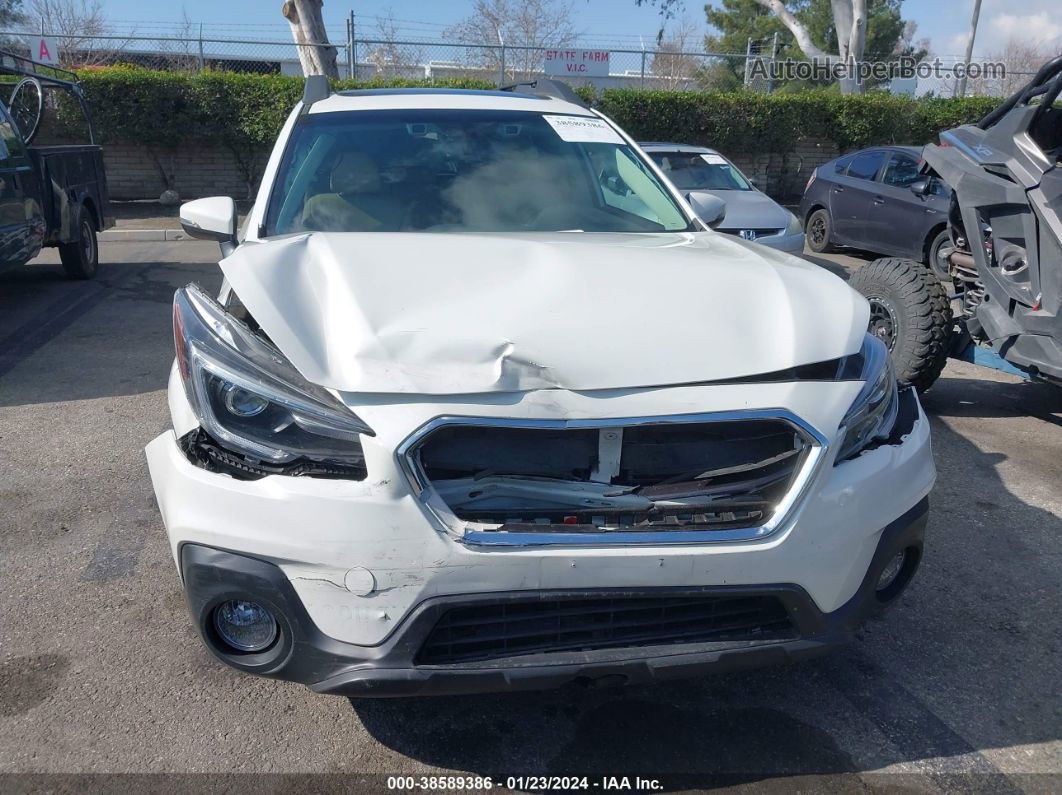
(702, 173)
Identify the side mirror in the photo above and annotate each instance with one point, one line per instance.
(709, 208)
(920, 187)
(211, 219)
(756, 182)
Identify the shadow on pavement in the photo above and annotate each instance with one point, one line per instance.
(976, 397)
(117, 337)
(964, 662)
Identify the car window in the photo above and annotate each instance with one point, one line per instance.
(937, 187)
(901, 171)
(865, 165)
(626, 183)
(421, 170)
(842, 165)
(695, 171)
(12, 151)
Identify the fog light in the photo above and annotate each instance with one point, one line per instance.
(892, 570)
(245, 626)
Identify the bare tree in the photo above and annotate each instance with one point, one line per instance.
(673, 67)
(77, 24)
(316, 55)
(850, 22)
(519, 24)
(1021, 56)
(181, 51)
(389, 57)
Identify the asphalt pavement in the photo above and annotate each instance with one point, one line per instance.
(957, 688)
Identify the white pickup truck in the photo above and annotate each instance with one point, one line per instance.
(483, 404)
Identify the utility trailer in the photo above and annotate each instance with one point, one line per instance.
(50, 196)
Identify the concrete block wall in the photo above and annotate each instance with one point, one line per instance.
(198, 170)
(783, 176)
(203, 170)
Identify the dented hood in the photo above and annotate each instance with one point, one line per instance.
(449, 314)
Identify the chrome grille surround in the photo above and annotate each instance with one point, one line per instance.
(815, 444)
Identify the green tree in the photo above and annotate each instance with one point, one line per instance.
(887, 34)
(11, 12)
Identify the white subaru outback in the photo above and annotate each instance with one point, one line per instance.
(482, 405)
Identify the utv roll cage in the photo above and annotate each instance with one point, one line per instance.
(40, 75)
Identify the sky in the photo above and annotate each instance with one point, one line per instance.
(612, 23)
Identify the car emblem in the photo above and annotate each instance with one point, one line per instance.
(748, 234)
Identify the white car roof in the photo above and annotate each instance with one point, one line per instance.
(443, 99)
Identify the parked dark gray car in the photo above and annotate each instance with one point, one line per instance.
(703, 173)
(877, 200)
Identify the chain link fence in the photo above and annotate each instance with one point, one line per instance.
(368, 59)
(372, 59)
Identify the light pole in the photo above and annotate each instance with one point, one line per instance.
(969, 47)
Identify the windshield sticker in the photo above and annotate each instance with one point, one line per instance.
(583, 129)
(715, 160)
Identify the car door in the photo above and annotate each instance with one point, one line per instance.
(899, 220)
(21, 224)
(851, 195)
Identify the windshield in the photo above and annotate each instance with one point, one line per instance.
(694, 171)
(464, 171)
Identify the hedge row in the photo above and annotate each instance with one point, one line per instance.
(746, 123)
(160, 109)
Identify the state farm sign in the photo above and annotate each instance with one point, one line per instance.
(577, 63)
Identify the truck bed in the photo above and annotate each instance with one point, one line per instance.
(70, 175)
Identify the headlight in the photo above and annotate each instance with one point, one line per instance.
(794, 227)
(249, 398)
(873, 413)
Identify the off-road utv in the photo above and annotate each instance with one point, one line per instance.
(1005, 258)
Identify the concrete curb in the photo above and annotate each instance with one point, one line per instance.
(141, 235)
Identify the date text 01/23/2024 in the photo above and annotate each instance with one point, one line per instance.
(522, 783)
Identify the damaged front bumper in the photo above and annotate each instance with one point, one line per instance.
(362, 572)
(799, 630)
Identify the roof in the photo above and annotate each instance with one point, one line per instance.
(443, 99)
(657, 146)
(911, 150)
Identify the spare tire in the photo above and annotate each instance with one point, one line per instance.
(910, 313)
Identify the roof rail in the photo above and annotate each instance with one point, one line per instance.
(549, 88)
(314, 90)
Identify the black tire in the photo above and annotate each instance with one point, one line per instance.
(81, 257)
(909, 311)
(819, 232)
(933, 260)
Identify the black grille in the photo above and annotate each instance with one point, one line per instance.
(484, 632)
(715, 475)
